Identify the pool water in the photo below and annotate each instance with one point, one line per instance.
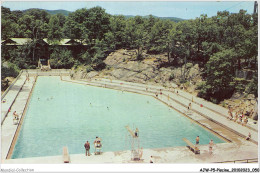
(68, 114)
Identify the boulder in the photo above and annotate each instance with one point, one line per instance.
(130, 73)
(115, 58)
(196, 66)
(119, 73)
(5, 64)
(131, 65)
(135, 80)
(91, 74)
(251, 96)
(253, 101)
(236, 95)
(141, 76)
(149, 72)
(193, 72)
(247, 103)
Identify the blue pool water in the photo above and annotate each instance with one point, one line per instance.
(67, 114)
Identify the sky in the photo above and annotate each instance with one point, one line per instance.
(180, 9)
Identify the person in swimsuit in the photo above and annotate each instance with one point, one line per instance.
(136, 132)
(249, 136)
(197, 140)
(16, 116)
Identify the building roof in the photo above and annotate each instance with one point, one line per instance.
(16, 41)
(22, 41)
(65, 42)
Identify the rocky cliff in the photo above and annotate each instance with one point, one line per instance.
(122, 65)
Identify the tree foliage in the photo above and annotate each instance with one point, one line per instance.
(61, 58)
(54, 29)
(220, 73)
(222, 45)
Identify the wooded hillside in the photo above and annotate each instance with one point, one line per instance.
(223, 45)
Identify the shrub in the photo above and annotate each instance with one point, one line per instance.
(61, 58)
(189, 65)
(89, 68)
(11, 71)
(239, 84)
(252, 87)
(171, 77)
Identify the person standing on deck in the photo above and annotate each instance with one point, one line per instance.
(151, 159)
(27, 77)
(189, 107)
(15, 115)
(211, 146)
(87, 147)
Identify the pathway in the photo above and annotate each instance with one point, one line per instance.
(8, 127)
(10, 96)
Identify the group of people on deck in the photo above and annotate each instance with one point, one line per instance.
(240, 116)
(97, 146)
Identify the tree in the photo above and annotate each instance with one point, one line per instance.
(115, 36)
(98, 55)
(61, 58)
(9, 26)
(220, 73)
(185, 39)
(38, 14)
(54, 31)
(158, 36)
(97, 23)
(135, 35)
(75, 27)
(87, 25)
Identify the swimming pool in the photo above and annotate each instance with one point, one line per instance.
(67, 114)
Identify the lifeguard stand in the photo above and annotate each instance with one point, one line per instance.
(135, 144)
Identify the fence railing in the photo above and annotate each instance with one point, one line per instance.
(255, 160)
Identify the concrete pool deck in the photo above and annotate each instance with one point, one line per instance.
(238, 149)
(221, 152)
(8, 128)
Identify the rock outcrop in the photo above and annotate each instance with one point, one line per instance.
(122, 65)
